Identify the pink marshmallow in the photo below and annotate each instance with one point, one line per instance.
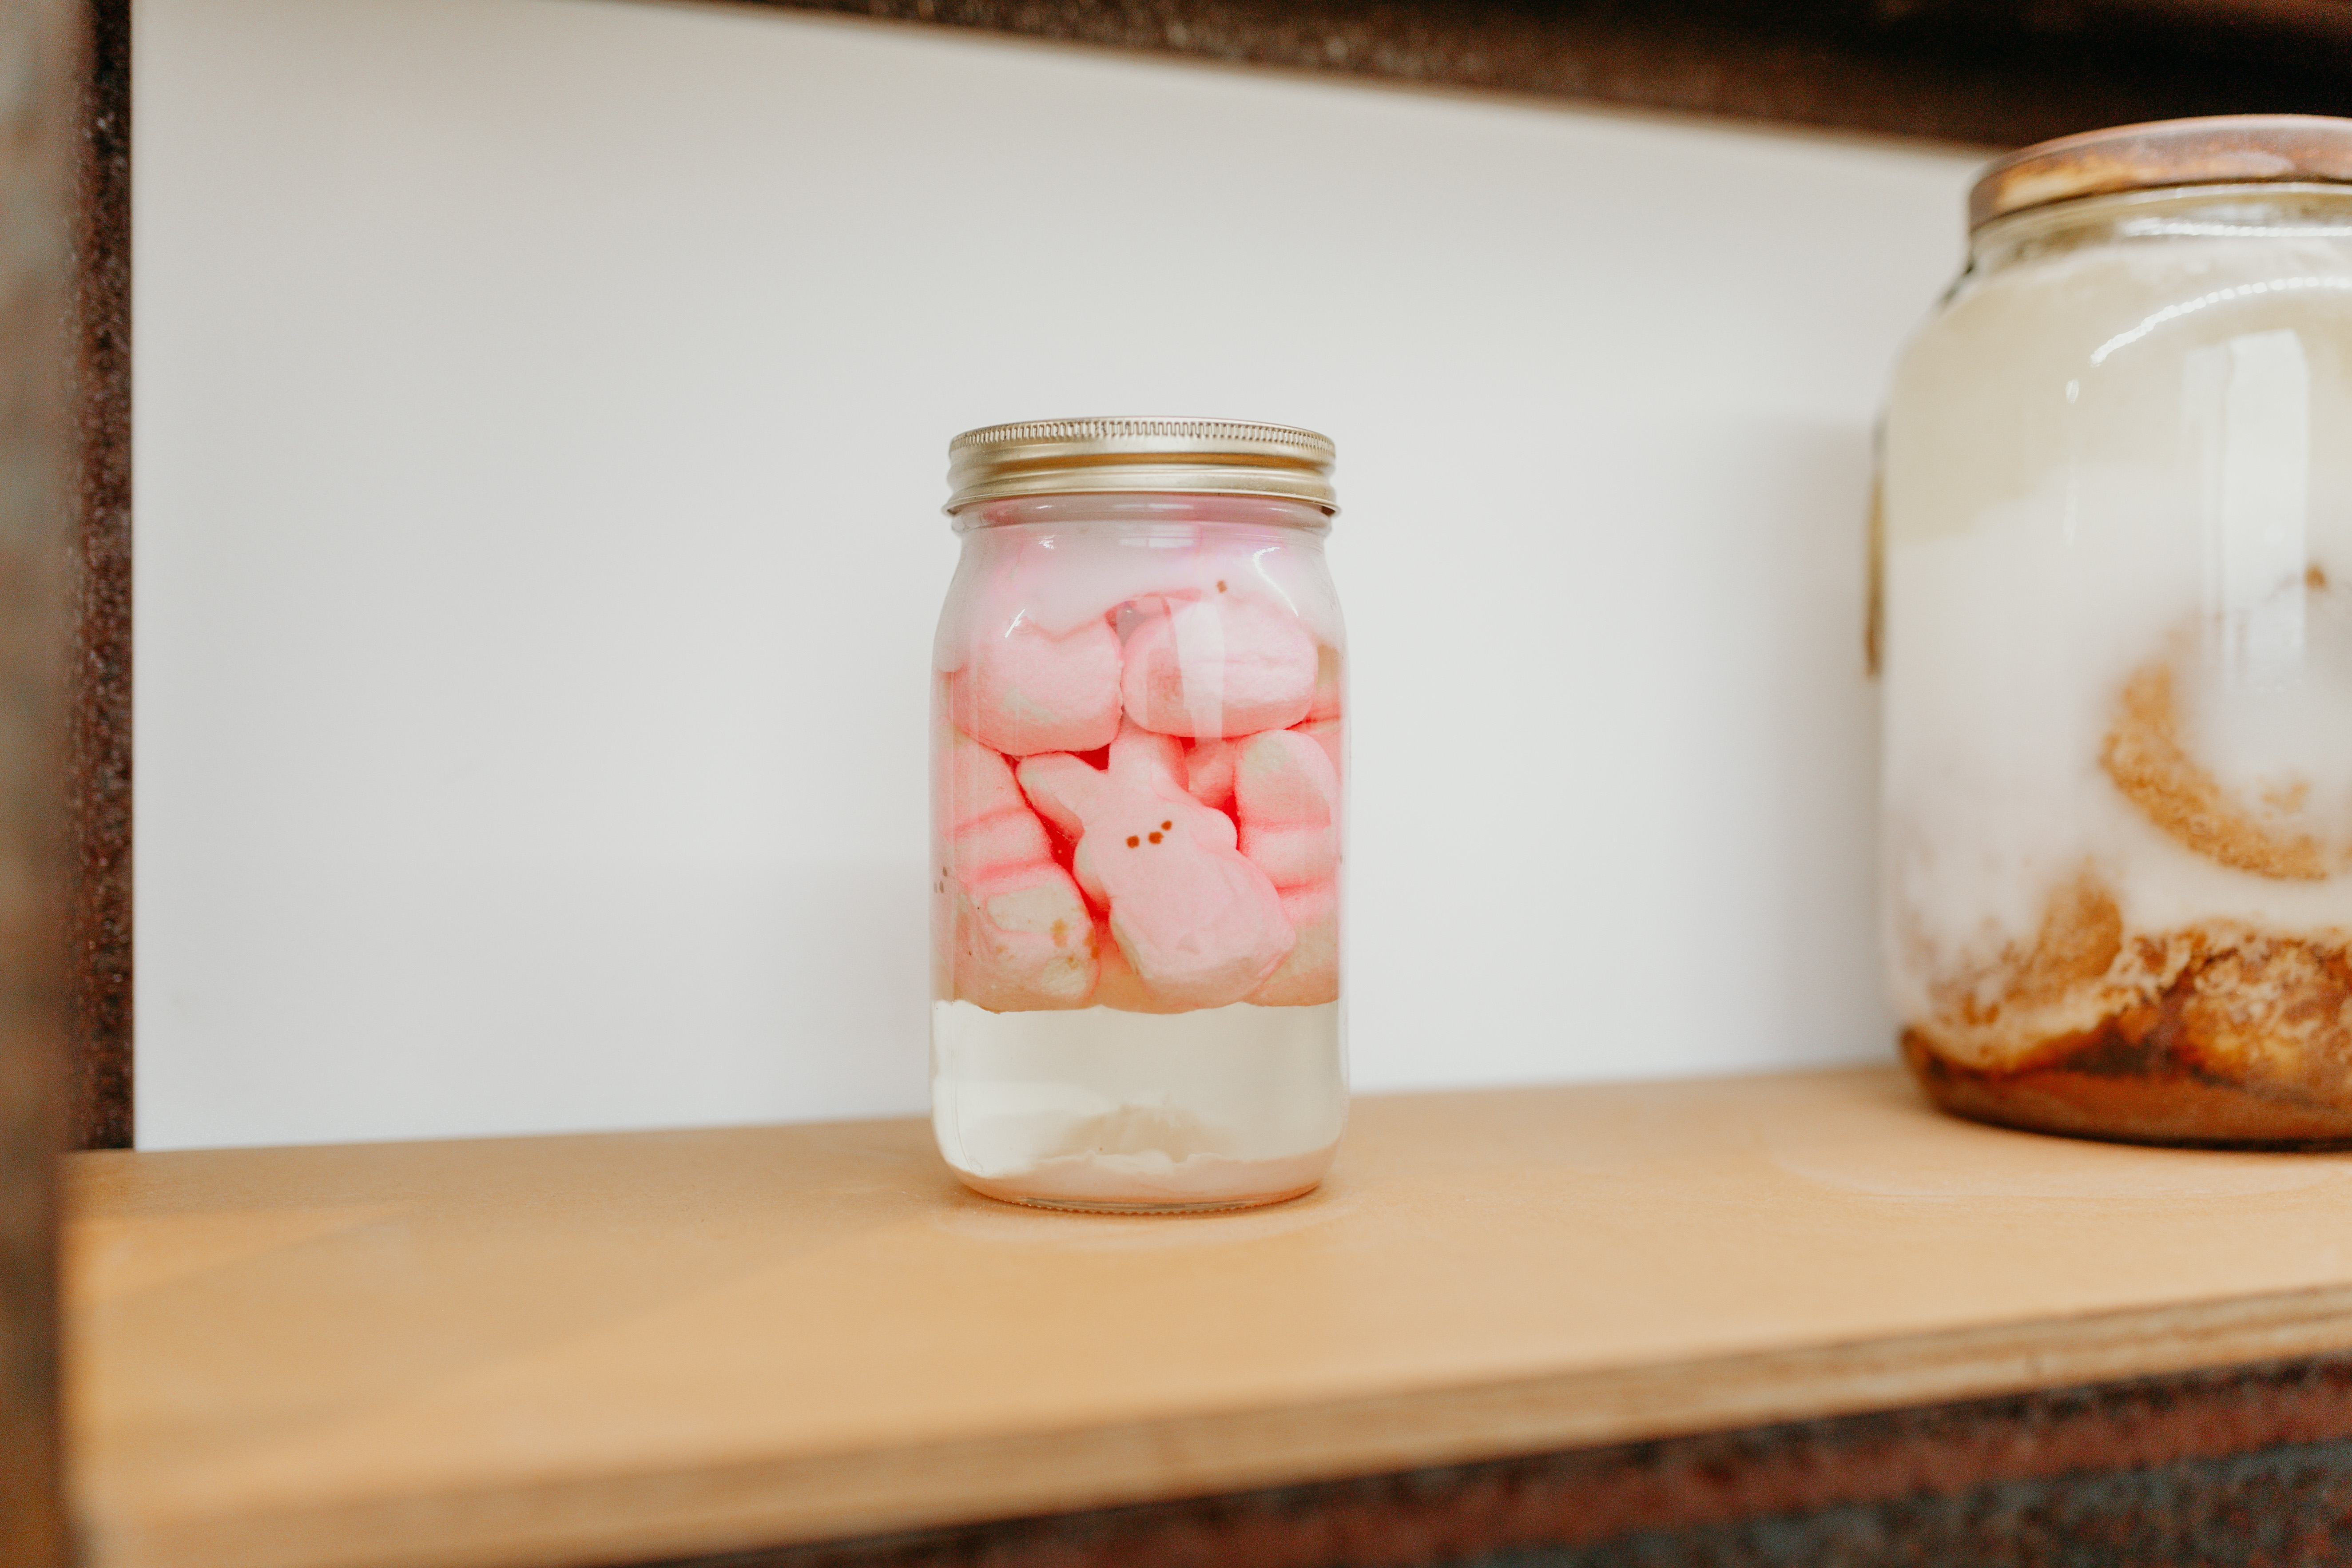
(1328, 685)
(1327, 733)
(1309, 975)
(1197, 924)
(1287, 796)
(1060, 584)
(1209, 771)
(1021, 936)
(1121, 987)
(979, 813)
(1216, 667)
(1025, 692)
(1322, 724)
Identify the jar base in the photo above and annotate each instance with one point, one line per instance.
(1081, 1206)
(2087, 1092)
(1082, 1184)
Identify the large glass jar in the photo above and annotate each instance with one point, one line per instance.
(1138, 712)
(2117, 534)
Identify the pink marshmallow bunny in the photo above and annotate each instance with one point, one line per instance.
(1322, 723)
(1022, 938)
(1026, 692)
(1287, 795)
(1215, 668)
(1209, 764)
(1196, 921)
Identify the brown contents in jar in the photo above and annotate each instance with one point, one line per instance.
(1998, 1008)
(2212, 1034)
(2145, 758)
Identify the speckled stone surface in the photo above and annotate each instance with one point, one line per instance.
(2283, 1505)
(1990, 72)
(2243, 1467)
(100, 757)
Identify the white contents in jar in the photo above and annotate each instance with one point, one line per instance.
(2118, 657)
(1096, 1107)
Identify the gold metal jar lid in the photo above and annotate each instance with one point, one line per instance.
(2221, 149)
(1132, 454)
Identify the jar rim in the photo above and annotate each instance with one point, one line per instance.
(1120, 454)
(2121, 206)
(2213, 149)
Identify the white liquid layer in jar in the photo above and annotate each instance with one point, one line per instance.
(2118, 661)
(1098, 1108)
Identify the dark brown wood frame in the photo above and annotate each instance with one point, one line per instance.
(101, 714)
(2244, 1465)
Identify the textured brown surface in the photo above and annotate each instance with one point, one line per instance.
(2149, 761)
(2164, 1073)
(2243, 1467)
(39, 61)
(1992, 72)
(100, 757)
(2217, 1033)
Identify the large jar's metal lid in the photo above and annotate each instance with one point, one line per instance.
(2223, 149)
(1133, 454)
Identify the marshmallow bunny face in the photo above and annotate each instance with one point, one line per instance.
(1200, 925)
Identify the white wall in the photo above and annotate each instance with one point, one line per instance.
(541, 409)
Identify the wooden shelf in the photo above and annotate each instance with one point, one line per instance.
(600, 1349)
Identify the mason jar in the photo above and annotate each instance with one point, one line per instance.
(1139, 712)
(2116, 536)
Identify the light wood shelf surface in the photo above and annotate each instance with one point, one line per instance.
(551, 1351)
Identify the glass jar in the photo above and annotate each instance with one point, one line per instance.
(2116, 526)
(1137, 722)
